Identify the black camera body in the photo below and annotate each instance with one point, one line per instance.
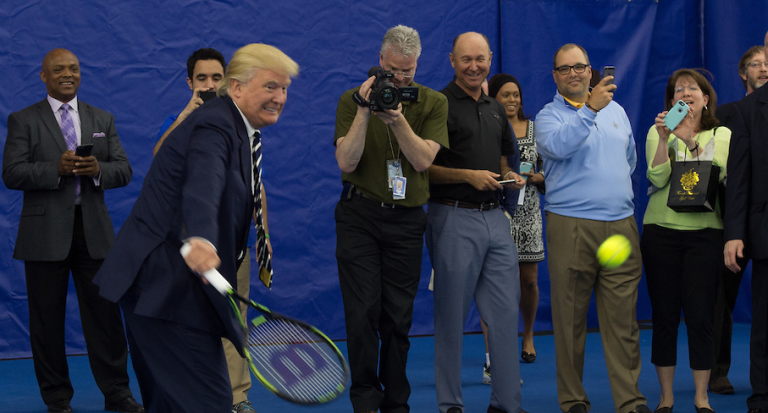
(385, 95)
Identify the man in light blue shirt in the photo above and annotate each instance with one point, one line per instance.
(589, 155)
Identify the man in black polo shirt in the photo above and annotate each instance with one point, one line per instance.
(380, 222)
(468, 235)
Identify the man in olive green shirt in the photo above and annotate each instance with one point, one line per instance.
(380, 221)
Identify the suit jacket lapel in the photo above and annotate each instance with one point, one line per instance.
(245, 150)
(49, 120)
(245, 161)
(764, 104)
(244, 143)
(86, 122)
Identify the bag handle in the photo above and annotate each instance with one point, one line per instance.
(698, 158)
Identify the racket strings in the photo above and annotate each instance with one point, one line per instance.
(283, 342)
(295, 372)
(296, 361)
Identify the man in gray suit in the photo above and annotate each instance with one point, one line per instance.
(65, 227)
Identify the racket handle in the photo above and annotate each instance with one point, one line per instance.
(213, 275)
(218, 281)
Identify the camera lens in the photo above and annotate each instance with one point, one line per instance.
(387, 97)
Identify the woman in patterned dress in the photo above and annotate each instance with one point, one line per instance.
(526, 223)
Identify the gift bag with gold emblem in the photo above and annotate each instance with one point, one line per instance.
(693, 185)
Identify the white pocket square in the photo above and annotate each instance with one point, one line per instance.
(98, 135)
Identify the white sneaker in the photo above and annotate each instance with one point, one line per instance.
(487, 374)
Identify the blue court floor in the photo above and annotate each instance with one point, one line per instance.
(19, 392)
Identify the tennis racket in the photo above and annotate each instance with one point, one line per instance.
(291, 358)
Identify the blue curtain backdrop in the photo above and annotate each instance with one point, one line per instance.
(133, 55)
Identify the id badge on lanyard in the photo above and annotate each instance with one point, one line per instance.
(395, 178)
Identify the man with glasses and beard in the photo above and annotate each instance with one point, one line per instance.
(753, 70)
(746, 226)
(589, 155)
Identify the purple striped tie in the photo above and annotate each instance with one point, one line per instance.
(70, 137)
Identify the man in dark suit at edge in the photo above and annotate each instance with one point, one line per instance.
(753, 71)
(198, 192)
(65, 227)
(746, 226)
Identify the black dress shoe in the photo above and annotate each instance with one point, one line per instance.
(127, 405)
(663, 409)
(721, 385)
(528, 357)
(703, 409)
(59, 407)
(578, 408)
(641, 408)
(454, 410)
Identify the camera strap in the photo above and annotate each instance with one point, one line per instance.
(394, 167)
(359, 100)
(391, 148)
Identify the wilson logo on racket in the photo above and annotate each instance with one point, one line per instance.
(291, 358)
(297, 364)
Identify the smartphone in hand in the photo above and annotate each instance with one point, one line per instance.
(84, 150)
(207, 95)
(676, 114)
(525, 167)
(609, 71)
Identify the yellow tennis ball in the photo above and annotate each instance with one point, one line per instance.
(614, 251)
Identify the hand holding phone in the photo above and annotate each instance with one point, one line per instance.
(207, 95)
(676, 114)
(609, 71)
(84, 150)
(525, 167)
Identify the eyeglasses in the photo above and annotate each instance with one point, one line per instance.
(756, 64)
(565, 69)
(406, 74)
(692, 88)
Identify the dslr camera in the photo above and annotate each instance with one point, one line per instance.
(384, 93)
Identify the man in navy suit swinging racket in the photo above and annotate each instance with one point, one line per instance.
(199, 191)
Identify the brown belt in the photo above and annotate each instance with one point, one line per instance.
(486, 206)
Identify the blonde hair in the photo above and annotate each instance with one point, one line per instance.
(250, 58)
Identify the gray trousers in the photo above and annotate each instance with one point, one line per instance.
(473, 255)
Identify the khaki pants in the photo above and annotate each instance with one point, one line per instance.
(574, 274)
(239, 373)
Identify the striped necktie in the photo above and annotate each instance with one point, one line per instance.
(263, 257)
(70, 137)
